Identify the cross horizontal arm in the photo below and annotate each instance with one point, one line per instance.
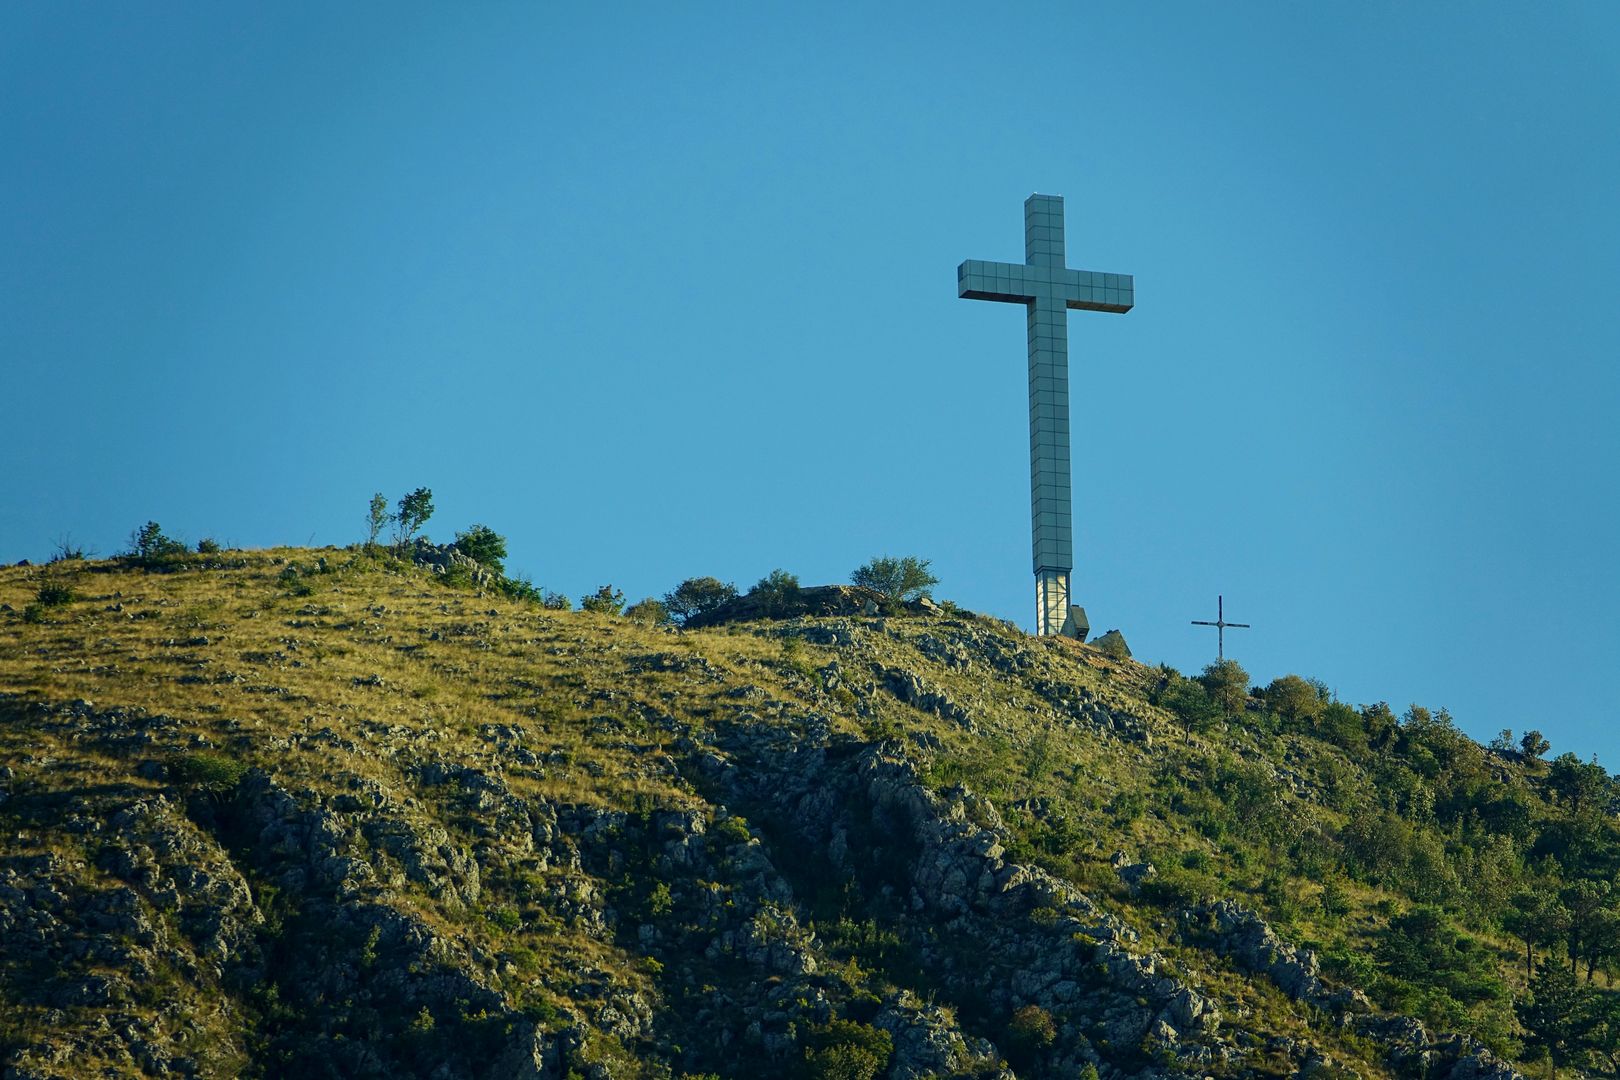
(1245, 625)
(1020, 283)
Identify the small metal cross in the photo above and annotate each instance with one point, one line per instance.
(1220, 624)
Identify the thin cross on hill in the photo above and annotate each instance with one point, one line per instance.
(1220, 624)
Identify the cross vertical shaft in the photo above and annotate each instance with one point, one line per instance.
(1047, 290)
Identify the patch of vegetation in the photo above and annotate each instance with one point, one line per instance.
(904, 578)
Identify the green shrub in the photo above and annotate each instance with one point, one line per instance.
(1294, 699)
(650, 611)
(659, 902)
(1030, 1031)
(604, 601)
(148, 543)
(698, 596)
(1228, 684)
(541, 1012)
(906, 578)
(214, 772)
(1189, 701)
(521, 588)
(1177, 887)
(730, 830)
(505, 916)
(776, 593)
(55, 594)
(483, 545)
(846, 1050)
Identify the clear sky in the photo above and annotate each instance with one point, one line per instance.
(666, 290)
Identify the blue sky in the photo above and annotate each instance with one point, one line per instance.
(667, 290)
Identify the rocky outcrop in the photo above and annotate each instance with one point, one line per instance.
(1011, 934)
(1234, 931)
(1412, 1050)
(447, 559)
(910, 688)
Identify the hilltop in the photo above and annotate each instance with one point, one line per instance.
(330, 812)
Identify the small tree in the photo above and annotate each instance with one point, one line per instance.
(698, 596)
(1379, 721)
(1555, 1015)
(1030, 1031)
(650, 611)
(484, 545)
(604, 601)
(1533, 744)
(1535, 918)
(1228, 684)
(149, 542)
(905, 578)
(1576, 783)
(1294, 699)
(1191, 703)
(777, 592)
(521, 588)
(847, 1050)
(414, 511)
(377, 518)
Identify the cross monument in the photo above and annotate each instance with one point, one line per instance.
(1047, 289)
(1220, 624)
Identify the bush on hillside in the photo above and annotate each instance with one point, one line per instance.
(604, 601)
(1533, 744)
(484, 545)
(698, 596)
(776, 593)
(1190, 703)
(521, 588)
(846, 1050)
(1295, 700)
(905, 578)
(209, 772)
(414, 511)
(1030, 1032)
(55, 594)
(1228, 684)
(650, 611)
(148, 543)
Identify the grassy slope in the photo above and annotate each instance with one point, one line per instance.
(353, 676)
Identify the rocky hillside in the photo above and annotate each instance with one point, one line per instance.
(319, 813)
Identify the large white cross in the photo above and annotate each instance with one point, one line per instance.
(1047, 290)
